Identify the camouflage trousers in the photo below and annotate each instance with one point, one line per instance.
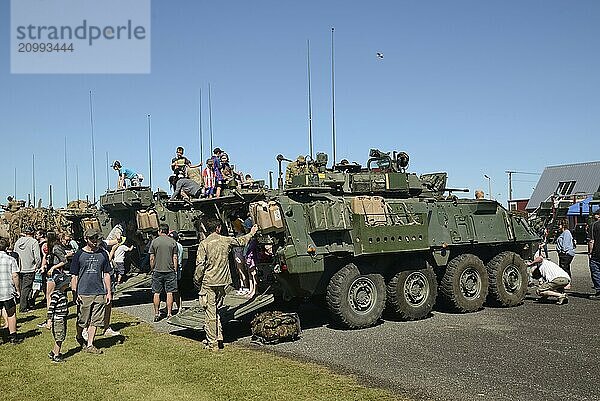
(211, 299)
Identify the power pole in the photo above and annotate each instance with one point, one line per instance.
(510, 173)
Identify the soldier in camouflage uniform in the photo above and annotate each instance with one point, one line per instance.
(212, 275)
(13, 205)
(297, 167)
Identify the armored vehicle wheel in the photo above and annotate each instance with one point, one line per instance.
(508, 279)
(355, 300)
(411, 294)
(464, 286)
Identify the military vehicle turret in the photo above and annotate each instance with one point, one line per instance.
(367, 237)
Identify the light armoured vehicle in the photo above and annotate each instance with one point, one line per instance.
(364, 238)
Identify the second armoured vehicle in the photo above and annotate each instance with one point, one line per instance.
(369, 237)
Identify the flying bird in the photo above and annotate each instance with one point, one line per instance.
(380, 55)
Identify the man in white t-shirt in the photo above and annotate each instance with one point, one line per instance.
(554, 279)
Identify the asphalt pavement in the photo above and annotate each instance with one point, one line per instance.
(536, 351)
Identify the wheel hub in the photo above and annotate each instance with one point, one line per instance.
(470, 283)
(416, 289)
(362, 295)
(511, 279)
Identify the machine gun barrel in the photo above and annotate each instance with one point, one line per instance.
(456, 189)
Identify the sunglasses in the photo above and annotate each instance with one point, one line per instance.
(93, 238)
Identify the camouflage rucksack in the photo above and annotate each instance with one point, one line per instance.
(274, 326)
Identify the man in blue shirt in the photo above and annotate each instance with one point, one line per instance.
(124, 173)
(565, 247)
(90, 269)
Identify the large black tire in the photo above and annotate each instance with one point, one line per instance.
(508, 279)
(464, 286)
(411, 294)
(354, 300)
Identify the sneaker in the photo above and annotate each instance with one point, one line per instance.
(211, 347)
(90, 349)
(55, 358)
(562, 299)
(14, 339)
(43, 325)
(156, 318)
(111, 333)
(84, 334)
(81, 341)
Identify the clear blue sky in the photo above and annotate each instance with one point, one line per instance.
(467, 87)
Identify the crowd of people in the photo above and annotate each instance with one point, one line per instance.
(52, 263)
(191, 181)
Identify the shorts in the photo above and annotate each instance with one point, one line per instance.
(120, 268)
(166, 281)
(91, 310)
(557, 284)
(8, 304)
(59, 329)
(50, 279)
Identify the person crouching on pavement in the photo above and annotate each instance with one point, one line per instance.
(58, 310)
(554, 279)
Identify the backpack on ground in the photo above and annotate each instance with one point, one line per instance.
(274, 326)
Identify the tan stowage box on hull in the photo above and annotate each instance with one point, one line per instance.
(90, 223)
(267, 216)
(372, 207)
(146, 220)
(276, 218)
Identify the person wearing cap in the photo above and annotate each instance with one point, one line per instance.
(212, 275)
(30, 260)
(594, 254)
(58, 310)
(134, 178)
(295, 168)
(554, 279)
(90, 269)
(9, 287)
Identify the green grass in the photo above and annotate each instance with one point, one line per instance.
(151, 366)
